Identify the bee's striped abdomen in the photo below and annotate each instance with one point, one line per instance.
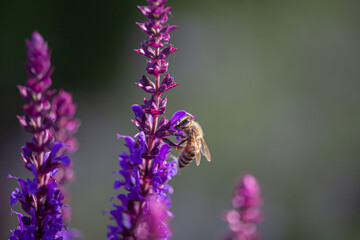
(187, 154)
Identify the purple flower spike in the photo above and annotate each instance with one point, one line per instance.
(40, 197)
(39, 67)
(246, 215)
(145, 169)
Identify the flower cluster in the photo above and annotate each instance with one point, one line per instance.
(40, 196)
(65, 125)
(145, 169)
(246, 215)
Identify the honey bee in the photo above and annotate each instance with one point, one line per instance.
(195, 144)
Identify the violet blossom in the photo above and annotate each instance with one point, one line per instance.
(39, 196)
(145, 170)
(246, 215)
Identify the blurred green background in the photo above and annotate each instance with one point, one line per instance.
(275, 85)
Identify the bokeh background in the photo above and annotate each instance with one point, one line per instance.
(275, 85)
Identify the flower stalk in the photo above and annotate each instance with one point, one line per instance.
(143, 212)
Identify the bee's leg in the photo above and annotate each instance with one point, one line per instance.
(177, 146)
(175, 134)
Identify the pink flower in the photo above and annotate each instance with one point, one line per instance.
(246, 215)
(153, 223)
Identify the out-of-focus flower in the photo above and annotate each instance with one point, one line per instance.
(64, 127)
(246, 215)
(153, 222)
(40, 197)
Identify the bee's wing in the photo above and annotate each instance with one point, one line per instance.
(198, 157)
(205, 150)
(197, 153)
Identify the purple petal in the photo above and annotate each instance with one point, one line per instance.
(135, 195)
(32, 186)
(21, 183)
(126, 176)
(118, 218)
(124, 165)
(138, 111)
(26, 151)
(55, 148)
(117, 184)
(164, 150)
(19, 216)
(130, 142)
(14, 196)
(123, 199)
(172, 171)
(65, 160)
(135, 156)
(32, 168)
(177, 116)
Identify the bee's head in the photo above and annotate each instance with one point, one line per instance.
(184, 122)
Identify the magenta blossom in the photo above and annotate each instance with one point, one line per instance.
(65, 125)
(246, 215)
(63, 129)
(153, 222)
